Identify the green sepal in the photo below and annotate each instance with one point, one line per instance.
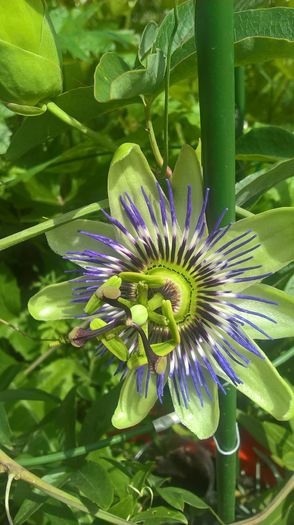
(115, 345)
(27, 111)
(263, 384)
(67, 238)
(187, 172)
(282, 312)
(201, 420)
(129, 171)
(133, 407)
(96, 302)
(55, 302)
(275, 233)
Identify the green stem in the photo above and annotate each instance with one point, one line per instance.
(19, 473)
(214, 44)
(152, 137)
(45, 226)
(166, 93)
(81, 451)
(284, 357)
(73, 122)
(242, 212)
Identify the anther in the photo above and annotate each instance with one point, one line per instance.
(108, 292)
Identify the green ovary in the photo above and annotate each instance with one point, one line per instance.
(184, 289)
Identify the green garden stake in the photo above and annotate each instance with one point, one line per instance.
(214, 43)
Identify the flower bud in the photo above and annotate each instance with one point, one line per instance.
(30, 70)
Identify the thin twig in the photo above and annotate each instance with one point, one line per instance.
(166, 92)
(7, 494)
(19, 473)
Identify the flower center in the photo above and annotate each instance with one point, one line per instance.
(180, 287)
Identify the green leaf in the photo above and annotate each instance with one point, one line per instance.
(263, 384)
(147, 40)
(159, 516)
(129, 171)
(278, 439)
(6, 436)
(5, 134)
(201, 420)
(259, 35)
(80, 35)
(45, 226)
(133, 407)
(263, 34)
(177, 497)
(241, 5)
(124, 507)
(67, 238)
(66, 419)
(114, 80)
(275, 232)
(93, 482)
(61, 375)
(282, 312)
(187, 172)
(265, 144)
(97, 420)
(34, 502)
(32, 394)
(110, 67)
(289, 288)
(55, 302)
(252, 186)
(9, 294)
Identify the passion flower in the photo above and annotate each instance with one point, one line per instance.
(174, 303)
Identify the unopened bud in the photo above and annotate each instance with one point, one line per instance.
(30, 70)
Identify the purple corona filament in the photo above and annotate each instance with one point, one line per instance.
(214, 338)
